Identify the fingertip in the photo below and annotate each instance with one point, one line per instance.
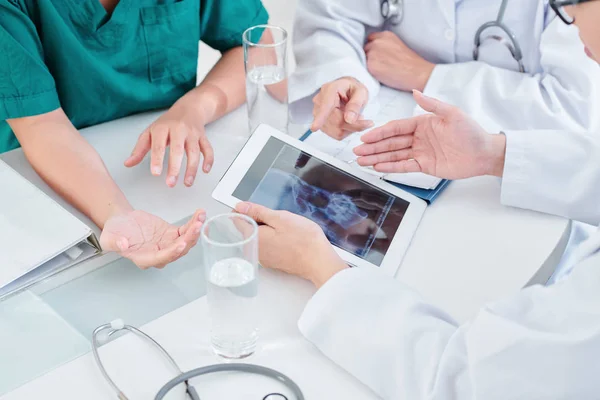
(201, 215)
(156, 171)
(207, 168)
(181, 246)
(171, 181)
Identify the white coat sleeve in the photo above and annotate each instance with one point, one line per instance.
(328, 41)
(564, 95)
(541, 343)
(555, 172)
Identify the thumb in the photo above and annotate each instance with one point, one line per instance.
(117, 244)
(358, 100)
(432, 105)
(260, 214)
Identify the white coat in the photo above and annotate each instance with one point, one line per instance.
(560, 89)
(541, 343)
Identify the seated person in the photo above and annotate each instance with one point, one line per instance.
(70, 64)
(345, 49)
(540, 343)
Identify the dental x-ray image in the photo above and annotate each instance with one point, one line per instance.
(356, 216)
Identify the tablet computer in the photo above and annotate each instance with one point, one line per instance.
(369, 222)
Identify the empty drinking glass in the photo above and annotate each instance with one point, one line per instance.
(230, 250)
(266, 76)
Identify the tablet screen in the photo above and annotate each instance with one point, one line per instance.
(355, 215)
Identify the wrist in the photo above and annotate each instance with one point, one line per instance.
(496, 155)
(208, 101)
(425, 75)
(327, 271)
(114, 208)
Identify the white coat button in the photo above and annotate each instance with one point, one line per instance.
(449, 34)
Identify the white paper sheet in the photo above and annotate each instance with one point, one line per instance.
(389, 105)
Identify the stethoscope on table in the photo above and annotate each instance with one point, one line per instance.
(393, 11)
(184, 377)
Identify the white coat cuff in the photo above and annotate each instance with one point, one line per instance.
(515, 178)
(341, 300)
(306, 82)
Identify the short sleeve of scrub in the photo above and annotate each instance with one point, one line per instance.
(224, 21)
(26, 86)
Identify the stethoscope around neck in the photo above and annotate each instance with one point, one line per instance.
(392, 11)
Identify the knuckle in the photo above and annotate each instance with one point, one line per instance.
(159, 149)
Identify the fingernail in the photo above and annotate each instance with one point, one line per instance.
(207, 168)
(371, 124)
(202, 217)
(351, 117)
(243, 207)
(171, 181)
(181, 246)
(189, 180)
(156, 171)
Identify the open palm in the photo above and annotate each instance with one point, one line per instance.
(447, 144)
(148, 240)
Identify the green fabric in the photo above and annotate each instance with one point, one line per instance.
(71, 54)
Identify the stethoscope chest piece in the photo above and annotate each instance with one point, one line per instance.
(392, 10)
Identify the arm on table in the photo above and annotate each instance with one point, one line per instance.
(72, 168)
(537, 344)
(70, 165)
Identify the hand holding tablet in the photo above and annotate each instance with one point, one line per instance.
(369, 222)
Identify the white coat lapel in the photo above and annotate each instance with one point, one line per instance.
(448, 10)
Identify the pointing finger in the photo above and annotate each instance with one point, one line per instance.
(358, 99)
(324, 109)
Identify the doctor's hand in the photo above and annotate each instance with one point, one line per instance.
(293, 244)
(394, 64)
(149, 241)
(447, 144)
(338, 107)
(181, 128)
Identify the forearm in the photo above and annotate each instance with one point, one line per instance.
(70, 165)
(224, 88)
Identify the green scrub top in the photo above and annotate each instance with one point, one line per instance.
(99, 67)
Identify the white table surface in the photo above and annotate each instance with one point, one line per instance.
(469, 250)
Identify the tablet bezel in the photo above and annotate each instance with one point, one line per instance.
(224, 190)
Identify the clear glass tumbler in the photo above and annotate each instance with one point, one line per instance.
(266, 76)
(230, 251)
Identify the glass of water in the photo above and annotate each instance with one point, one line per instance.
(266, 76)
(230, 251)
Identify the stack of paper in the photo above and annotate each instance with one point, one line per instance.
(38, 237)
(390, 105)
